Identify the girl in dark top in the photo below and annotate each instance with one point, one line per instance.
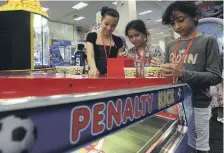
(102, 44)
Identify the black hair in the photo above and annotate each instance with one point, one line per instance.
(137, 25)
(187, 7)
(215, 11)
(81, 46)
(109, 11)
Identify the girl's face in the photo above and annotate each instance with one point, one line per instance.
(182, 23)
(136, 38)
(109, 24)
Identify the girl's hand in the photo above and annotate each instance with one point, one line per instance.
(123, 54)
(171, 70)
(154, 62)
(93, 73)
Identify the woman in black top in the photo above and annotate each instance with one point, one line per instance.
(102, 44)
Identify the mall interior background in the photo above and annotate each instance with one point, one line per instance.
(64, 27)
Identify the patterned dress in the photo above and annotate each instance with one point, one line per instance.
(152, 52)
(217, 95)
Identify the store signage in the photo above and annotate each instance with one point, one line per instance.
(109, 115)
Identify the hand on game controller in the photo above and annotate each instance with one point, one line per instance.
(123, 54)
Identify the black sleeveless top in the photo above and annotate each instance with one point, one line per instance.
(99, 53)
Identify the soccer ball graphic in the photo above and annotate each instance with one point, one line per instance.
(17, 134)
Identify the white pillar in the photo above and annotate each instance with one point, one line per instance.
(74, 34)
(127, 11)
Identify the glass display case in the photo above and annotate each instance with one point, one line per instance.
(41, 41)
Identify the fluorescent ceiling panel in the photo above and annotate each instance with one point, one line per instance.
(79, 18)
(145, 12)
(115, 3)
(80, 6)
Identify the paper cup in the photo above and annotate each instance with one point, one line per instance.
(75, 70)
(152, 72)
(130, 72)
(60, 71)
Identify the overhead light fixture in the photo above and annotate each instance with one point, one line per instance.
(45, 9)
(115, 3)
(80, 6)
(159, 20)
(79, 18)
(145, 12)
(159, 33)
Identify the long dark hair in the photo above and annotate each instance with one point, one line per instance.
(109, 11)
(137, 25)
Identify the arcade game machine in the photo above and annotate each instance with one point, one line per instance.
(46, 114)
(24, 35)
(212, 26)
(55, 115)
(210, 9)
(211, 21)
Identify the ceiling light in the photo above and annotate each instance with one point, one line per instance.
(115, 3)
(145, 12)
(80, 5)
(159, 33)
(159, 20)
(79, 18)
(45, 9)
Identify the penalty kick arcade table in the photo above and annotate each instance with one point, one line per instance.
(40, 113)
